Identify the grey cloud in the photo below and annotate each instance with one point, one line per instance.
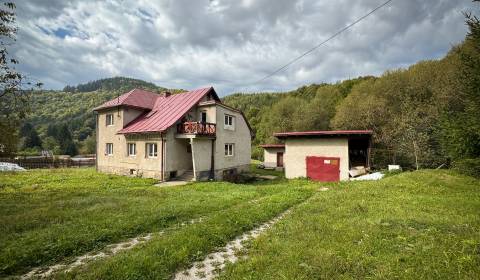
(229, 43)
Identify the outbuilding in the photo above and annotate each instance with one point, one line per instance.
(325, 155)
(273, 155)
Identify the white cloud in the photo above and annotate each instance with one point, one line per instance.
(229, 44)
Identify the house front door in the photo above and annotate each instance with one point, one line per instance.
(279, 159)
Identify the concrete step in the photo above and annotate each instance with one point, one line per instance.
(187, 176)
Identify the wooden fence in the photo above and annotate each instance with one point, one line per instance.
(48, 162)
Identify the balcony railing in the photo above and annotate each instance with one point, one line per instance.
(198, 128)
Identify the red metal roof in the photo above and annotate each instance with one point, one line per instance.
(323, 133)
(135, 98)
(166, 111)
(273, 146)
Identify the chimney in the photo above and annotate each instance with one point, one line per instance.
(165, 93)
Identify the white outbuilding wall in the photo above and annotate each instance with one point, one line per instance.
(297, 150)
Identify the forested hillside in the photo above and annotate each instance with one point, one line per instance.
(306, 108)
(422, 117)
(112, 84)
(63, 121)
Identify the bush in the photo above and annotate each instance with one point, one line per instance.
(389, 173)
(470, 167)
(239, 178)
(257, 153)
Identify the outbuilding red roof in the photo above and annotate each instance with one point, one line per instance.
(273, 146)
(323, 133)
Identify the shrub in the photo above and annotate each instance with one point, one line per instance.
(469, 167)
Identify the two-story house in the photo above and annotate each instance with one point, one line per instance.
(166, 135)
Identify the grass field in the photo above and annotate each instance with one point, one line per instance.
(418, 225)
(421, 224)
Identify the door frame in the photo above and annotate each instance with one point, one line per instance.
(280, 155)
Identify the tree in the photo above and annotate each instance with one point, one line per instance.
(321, 109)
(15, 88)
(461, 125)
(51, 144)
(89, 145)
(285, 115)
(31, 138)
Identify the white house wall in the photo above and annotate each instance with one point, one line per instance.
(296, 151)
(240, 137)
(270, 156)
(202, 157)
(177, 157)
(119, 162)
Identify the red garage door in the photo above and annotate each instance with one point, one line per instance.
(323, 169)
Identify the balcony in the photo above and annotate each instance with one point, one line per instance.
(197, 128)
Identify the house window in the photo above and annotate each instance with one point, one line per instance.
(131, 149)
(229, 122)
(229, 150)
(151, 150)
(109, 119)
(204, 116)
(109, 149)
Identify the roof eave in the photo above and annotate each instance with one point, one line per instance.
(325, 134)
(121, 105)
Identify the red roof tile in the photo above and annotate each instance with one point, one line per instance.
(160, 112)
(135, 98)
(166, 111)
(323, 133)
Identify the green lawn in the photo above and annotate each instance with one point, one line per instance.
(262, 171)
(420, 224)
(415, 225)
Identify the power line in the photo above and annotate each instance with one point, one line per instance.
(322, 43)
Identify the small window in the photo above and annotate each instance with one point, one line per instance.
(204, 116)
(151, 150)
(109, 119)
(131, 149)
(229, 150)
(109, 149)
(229, 122)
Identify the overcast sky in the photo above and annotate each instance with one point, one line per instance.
(229, 44)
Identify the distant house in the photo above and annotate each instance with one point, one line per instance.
(190, 135)
(273, 155)
(321, 155)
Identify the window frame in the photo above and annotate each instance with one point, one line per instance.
(108, 152)
(134, 145)
(111, 118)
(229, 122)
(229, 149)
(155, 150)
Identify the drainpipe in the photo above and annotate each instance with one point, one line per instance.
(96, 140)
(212, 162)
(193, 160)
(162, 166)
